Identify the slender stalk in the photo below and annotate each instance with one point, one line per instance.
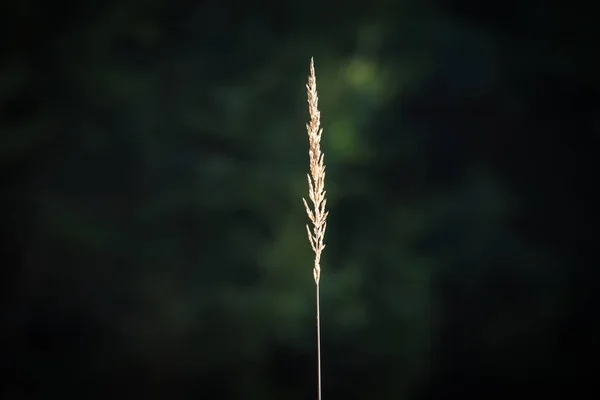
(316, 192)
(318, 342)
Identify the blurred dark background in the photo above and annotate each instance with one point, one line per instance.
(153, 157)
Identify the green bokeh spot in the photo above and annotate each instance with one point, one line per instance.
(361, 73)
(344, 139)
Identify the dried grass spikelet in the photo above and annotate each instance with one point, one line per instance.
(316, 178)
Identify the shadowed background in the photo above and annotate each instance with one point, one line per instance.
(153, 157)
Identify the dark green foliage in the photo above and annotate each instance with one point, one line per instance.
(153, 159)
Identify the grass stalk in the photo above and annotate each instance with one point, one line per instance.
(316, 193)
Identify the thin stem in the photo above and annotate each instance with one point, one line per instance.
(319, 341)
